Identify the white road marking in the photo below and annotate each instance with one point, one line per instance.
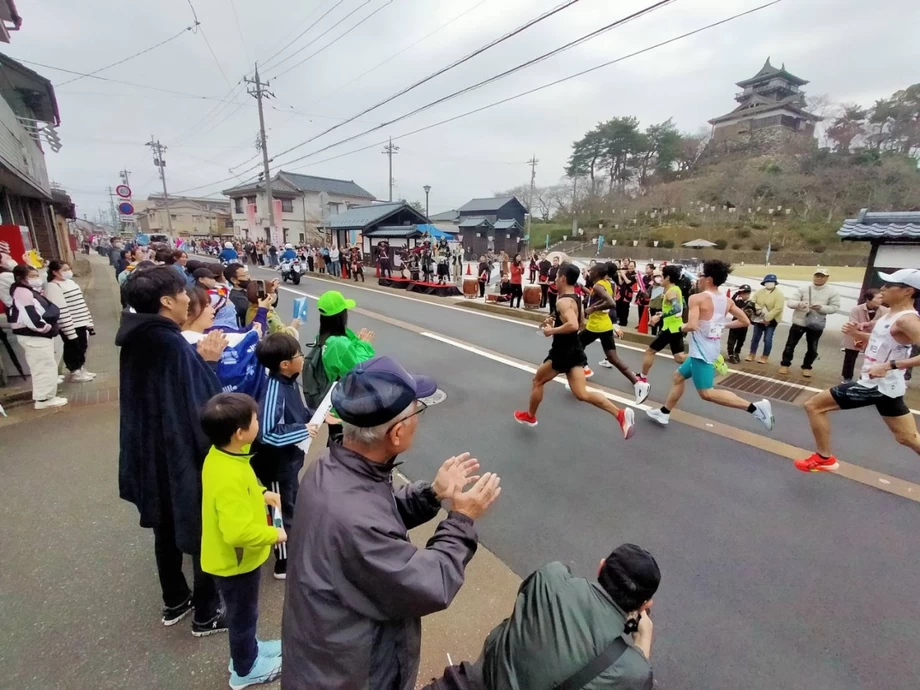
(526, 324)
(526, 367)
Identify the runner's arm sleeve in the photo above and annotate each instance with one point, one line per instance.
(677, 306)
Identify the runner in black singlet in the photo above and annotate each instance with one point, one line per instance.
(567, 356)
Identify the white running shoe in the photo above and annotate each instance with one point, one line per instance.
(604, 363)
(61, 378)
(657, 415)
(588, 372)
(763, 410)
(88, 373)
(80, 376)
(642, 389)
(50, 402)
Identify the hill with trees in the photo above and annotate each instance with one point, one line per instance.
(660, 184)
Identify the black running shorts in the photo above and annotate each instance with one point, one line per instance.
(563, 360)
(850, 396)
(665, 338)
(608, 342)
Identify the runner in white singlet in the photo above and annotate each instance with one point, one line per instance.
(881, 382)
(709, 310)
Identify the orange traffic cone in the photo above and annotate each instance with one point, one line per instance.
(469, 269)
(377, 272)
(643, 322)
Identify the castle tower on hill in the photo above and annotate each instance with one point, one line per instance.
(771, 108)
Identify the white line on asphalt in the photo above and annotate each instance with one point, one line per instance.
(518, 322)
(526, 367)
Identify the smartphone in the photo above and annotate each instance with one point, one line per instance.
(260, 286)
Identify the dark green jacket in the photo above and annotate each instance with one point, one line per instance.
(560, 623)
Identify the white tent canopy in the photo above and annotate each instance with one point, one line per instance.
(699, 244)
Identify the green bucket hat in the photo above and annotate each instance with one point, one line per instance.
(333, 302)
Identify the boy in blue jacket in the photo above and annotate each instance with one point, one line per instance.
(283, 424)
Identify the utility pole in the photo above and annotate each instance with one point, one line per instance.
(112, 212)
(125, 179)
(258, 92)
(533, 177)
(390, 150)
(160, 163)
(574, 199)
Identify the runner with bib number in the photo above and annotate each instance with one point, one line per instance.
(709, 310)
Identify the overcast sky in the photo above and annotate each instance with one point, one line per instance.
(851, 50)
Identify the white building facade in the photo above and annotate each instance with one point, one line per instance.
(301, 205)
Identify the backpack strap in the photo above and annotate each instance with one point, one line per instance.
(596, 666)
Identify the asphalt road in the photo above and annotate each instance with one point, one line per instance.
(771, 578)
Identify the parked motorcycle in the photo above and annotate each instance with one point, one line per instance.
(292, 269)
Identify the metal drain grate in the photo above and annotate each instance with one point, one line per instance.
(768, 388)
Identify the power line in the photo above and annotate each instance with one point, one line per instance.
(239, 29)
(523, 93)
(119, 81)
(441, 71)
(302, 33)
(544, 86)
(123, 60)
(571, 44)
(335, 40)
(307, 45)
(212, 113)
(199, 27)
(398, 53)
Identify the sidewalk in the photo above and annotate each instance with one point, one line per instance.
(81, 601)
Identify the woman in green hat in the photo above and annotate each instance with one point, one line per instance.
(341, 348)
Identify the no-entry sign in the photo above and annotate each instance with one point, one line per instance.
(126, 208)
(124, 191)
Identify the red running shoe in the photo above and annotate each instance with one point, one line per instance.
(588, 372)
(525, 418)
(627, 420)
(815, 463)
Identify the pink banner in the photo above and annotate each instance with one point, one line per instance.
(251, 217)
(276, 209)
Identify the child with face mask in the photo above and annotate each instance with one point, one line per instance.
(769, 303)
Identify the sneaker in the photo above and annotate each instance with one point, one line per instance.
(265, 670)
(763, 359)
(642, 388)
(815, 463)
(174, 614)
(218, 624)
(525, 418)
(270, 649)
(782, 371)
(89, 374)
(588, 372)
(61, 378)
(604, 363)
(80, 377)
(749, 358)
(627, 420)
(763, 410)
(657, 415)
(280, 572)
(720, 366)
(806, 373)
(50, 402)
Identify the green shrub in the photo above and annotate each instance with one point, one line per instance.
(759, 226)
(743, 233)
(649, 243)
(756, 247)
(818, 248)
(694, 223)
(668, 244)
(721, 244)
(736, 245)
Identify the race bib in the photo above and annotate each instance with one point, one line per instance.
(715, 331)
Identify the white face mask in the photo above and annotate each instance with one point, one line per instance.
(769, 286)
(35, 282)
(67, 275)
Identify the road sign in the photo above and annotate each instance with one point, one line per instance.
(126, 208)
(124, 191)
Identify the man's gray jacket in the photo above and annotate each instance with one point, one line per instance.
(356, 587)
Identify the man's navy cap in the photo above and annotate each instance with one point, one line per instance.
(377, 390)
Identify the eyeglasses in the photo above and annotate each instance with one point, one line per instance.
(420, 408)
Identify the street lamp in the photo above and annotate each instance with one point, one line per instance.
(427, 189)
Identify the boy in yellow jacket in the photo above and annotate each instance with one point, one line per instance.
(236, 538)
